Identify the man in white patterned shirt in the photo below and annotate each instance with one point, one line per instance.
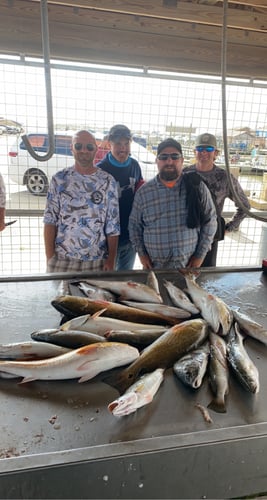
(82, 213)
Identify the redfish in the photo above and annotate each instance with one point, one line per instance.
(163, 352)
(219, 373)
(77, 306)
(84, 363)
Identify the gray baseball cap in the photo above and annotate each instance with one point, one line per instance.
(206, 140)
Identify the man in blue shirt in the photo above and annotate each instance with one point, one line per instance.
(173, 220)
(127, 172)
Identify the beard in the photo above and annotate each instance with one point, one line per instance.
(167, 174)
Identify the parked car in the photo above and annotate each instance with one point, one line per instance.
(23, 169)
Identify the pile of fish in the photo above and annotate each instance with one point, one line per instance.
(126, 324)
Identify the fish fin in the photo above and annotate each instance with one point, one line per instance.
(98, 313)
(121, 380)
(25, 380)
(101, 302)
(88, 376)
(217, 405)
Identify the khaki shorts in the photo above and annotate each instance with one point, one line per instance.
(58, 265)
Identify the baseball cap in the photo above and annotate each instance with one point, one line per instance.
(169, 143)
(118, 131)
(206, 140)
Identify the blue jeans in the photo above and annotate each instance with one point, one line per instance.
(125, 257)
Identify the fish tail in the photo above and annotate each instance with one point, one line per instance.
(120, 380)
(217, 405)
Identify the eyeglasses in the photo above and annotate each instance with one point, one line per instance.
(79, 146)
(173, 156)
(209, 149)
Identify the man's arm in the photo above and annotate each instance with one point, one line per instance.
(112, 243)
(239, 215)
(2, 218)
(50, 231)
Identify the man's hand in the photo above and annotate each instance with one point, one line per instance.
(145, 261)
(194, 262)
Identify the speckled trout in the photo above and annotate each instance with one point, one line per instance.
(30, 350)
(179, 298)
(212, 308)
(101, 325)
(219, 373)
(129, 290)
(244, 368)
(84, 363)
(74, 339)
(251, 327)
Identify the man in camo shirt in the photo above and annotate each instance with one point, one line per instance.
(216, 179)
(2, 203)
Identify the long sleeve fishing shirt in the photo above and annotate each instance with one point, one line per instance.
(2, 193)
(217, 182)
(158, 224)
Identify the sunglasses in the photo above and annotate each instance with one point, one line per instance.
(79, 146)
(209, 149)
(173, 156)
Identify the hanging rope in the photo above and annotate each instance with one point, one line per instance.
(48, 87)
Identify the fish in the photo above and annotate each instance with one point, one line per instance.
(129, 290)
(205, 413)
(101, 325)
(172, 314)
(219, 373)
(30, 350)
(179, 298)
(191, 368)
(243, 367)
(83, 363)
(94, 292)
(137, 395)
(251, 327)
(72, 339)
(212, 308)
(78, 306)
(162, 353)
(152, 281)
(137, 339)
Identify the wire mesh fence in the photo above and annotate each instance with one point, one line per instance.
(154, 106)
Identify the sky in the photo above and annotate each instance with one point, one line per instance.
(98, 100)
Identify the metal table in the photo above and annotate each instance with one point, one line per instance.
(58, 439)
